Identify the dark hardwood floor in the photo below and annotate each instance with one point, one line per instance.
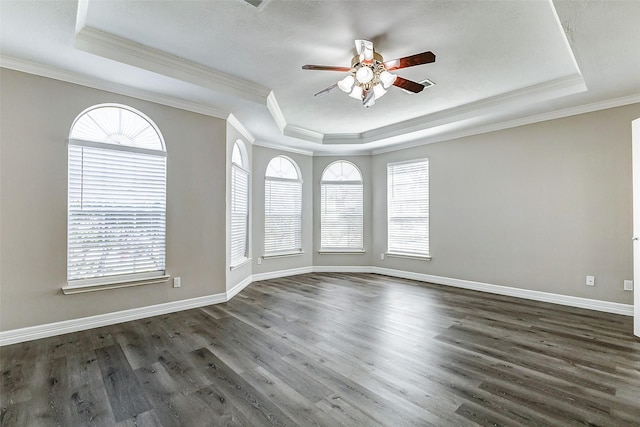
(335, 350)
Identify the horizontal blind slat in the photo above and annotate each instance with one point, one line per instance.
(116, 212)
(408, 208)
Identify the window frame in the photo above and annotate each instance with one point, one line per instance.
(243, 170)
(290, 251)
(394, 252)
(103, 150)
(341, 249)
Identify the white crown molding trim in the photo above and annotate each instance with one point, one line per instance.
(591, 304)
(304, 134)
(537, 118)
(427, 125)
(283, 148)
(233, 121)
(66, 326)
(276, 111)
(122, 50)
(58, 328)
(494, 105)
(79, 79)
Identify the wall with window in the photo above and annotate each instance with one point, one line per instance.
(37, 114)
(335, 256)
(284, 254)
(536, 207)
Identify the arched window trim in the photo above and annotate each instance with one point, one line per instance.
(272, 248)
(326, 226)
(240, 175)
(85, 142)
(127, 270)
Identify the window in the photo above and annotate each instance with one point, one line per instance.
(239, 204)
(282, 207)
(341, 208)
(116, 197)
(408, 208)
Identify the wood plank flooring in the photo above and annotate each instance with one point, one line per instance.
(335, 350)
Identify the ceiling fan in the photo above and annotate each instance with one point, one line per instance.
(369, 75)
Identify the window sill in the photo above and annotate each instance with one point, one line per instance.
(239, 264)
(407, 256)
(79, 289)
(282, 254)
(341, 251)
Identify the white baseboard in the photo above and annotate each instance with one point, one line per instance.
(239, 287)
(58, 328)
(66, 326)
(591, 304)
(281, 273)
(342, 269)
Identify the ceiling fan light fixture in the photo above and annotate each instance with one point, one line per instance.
(346, 84)
(364, 74)
(387, 79)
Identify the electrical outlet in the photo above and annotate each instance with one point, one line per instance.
(591, 280)
(259, 260)
(382, 256)
(628, 285)
(177, 282)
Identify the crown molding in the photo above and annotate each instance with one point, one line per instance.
(233, 121)
(537, 118)
(83, 80)
(283, 148)
(122, 50)
(276, 111)
(436, 123)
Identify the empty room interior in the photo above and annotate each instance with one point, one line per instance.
(319, 213)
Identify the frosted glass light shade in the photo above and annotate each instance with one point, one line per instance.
(387, 79)
(356, 92)
(364, 74)
(379, 91)
(346, 84)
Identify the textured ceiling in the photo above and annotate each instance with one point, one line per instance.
(497, 62)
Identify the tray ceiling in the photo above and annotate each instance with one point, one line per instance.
(498, 63)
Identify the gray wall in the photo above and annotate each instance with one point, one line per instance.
(37, 114)
(536, 207)
(261, 158)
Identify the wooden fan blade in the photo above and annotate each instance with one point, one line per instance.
(409, 85)
(410, 61)
(325, 68)
(323, 92)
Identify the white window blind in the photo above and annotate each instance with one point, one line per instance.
(239, 213)
(283, 207)
(341, 224)
(116, 197)
(408, 208)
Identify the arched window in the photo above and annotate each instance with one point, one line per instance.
(282, 207)
(116, 197)
(341, 221)
(239, 203)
